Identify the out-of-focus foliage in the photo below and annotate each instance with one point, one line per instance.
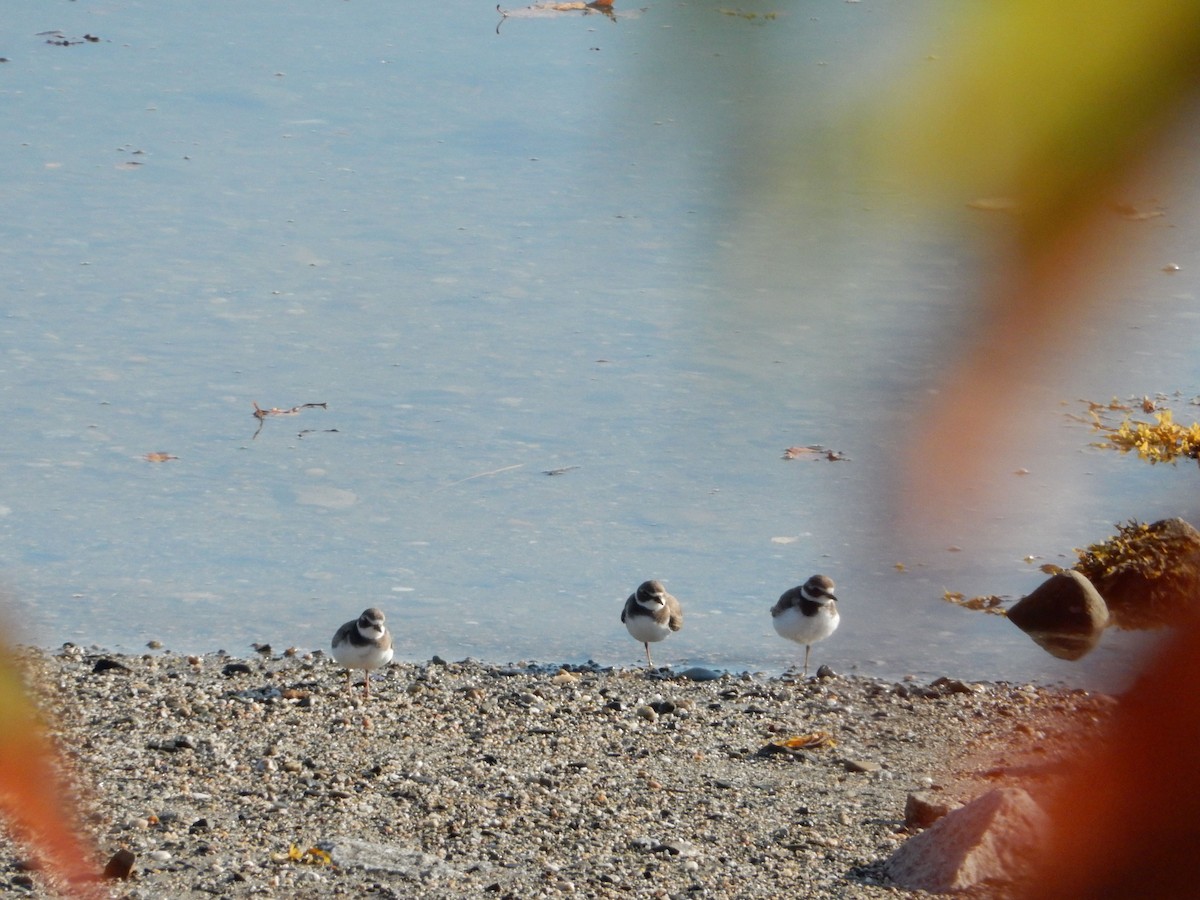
(1053, 106)
(1046, 103)
(31, 803)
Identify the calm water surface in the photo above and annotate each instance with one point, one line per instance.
(495, 256)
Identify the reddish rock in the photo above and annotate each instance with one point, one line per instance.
(923, 808)
(994, 838)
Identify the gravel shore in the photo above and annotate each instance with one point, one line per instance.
(265, 777)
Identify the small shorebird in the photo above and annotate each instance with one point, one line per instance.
(363, 644)
(651, 614)
(807, 614)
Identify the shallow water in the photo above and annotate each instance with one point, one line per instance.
(495, 256)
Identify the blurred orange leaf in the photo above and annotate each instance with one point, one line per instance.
(28, 776)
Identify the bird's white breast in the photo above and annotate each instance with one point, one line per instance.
(646, 629)
(368, 656)
(795, 626)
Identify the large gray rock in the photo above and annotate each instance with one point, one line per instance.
(1065, 615)
(993, 838)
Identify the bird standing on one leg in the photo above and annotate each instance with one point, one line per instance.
(650, 614)
(363, 644)
(807, 614)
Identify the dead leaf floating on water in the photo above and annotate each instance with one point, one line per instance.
(260, 413)
(58, 39)
(815, 451)
(988, 603)
(751, 16)
(541, 10)
(263, 414)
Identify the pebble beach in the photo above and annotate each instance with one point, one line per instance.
(266, 777)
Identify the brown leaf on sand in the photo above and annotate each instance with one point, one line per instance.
(810, 741)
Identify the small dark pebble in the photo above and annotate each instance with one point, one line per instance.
(780, 750)
(952, 686)
(861, 766)
(109, 665)
(236, 669)
(173, 745)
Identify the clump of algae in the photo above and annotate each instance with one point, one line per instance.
(1164, 440)
(1147, 573)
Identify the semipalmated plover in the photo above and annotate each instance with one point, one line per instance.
(651, 614)
(363, 644)
(807, 614)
